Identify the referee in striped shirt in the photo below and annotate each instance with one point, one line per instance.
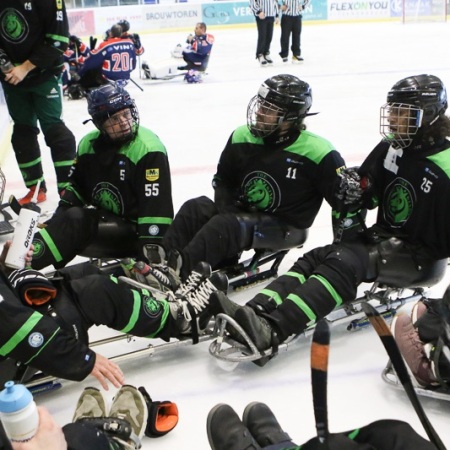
(266, 13)
(291, 24)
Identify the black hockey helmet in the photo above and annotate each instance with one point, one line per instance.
(422, 99)
(124, 24)
(284, 95)
(106, 101)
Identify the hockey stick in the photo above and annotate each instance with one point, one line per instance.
(383, 331)
(320, 348)
(134, 82)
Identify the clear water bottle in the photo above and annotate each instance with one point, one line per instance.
(5, 63)
(18, 412)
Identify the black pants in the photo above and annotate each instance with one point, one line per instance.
(70, 232)
(329, 276)
(265, 34)
(200, 233)
(290, 25)
(379, 435)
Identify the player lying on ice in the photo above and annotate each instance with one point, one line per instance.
(407, 176)
(44, 323)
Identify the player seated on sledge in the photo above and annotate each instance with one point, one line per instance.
(271, 180)
(120, 181)
(97, 426)
(407, 177)
(196, 56)
(113, 60)
(424, 339)
(74, 58)
(44, 322)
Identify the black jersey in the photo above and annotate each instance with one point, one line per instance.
(289, 180)
(411, 187)
(35, 338)
(132, 182)
(35, 30)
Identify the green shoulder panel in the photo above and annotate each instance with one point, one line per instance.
(85, 147)
(442, 160)
(242, 135)
(311, 146)
(146, 142)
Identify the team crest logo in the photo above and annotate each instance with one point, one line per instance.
(152, 174)
(261, 191)
(151, 307)
(153, 230)
(14, 27)
(107, 196)
(35, 340)
(39, 248)
(399, 202)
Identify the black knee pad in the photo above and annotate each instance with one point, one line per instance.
(24, 138)
(58, 135)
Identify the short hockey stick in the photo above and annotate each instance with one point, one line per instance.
(384, 332)
(320, 348)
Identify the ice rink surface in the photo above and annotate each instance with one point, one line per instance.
(350, 68)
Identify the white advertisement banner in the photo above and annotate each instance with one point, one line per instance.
(150, 18)
(358, 9)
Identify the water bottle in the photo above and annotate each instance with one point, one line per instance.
(18, 412)
(5, 63)
(23, 234)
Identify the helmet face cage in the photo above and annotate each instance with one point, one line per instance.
(425, 98)
(399, 123)
(122, 126)
(263, 117)
(281, 99)
(104, 103)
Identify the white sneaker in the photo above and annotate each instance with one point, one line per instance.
(129, 404)
(90, 404)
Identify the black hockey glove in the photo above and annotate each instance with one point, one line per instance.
(350, 189)
(136, 40)
(92, 42)
(32, 287)
(162, 416)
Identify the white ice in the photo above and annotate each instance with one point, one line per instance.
(350, 68)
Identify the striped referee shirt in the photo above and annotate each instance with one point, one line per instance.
(294, 7)
(268, 7)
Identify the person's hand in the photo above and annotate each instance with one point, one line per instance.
(349, 190)
(49, 436)
(105, 370)
(7, 245)
(16, 75)
(261, 15)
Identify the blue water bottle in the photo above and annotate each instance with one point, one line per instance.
(18, 412)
